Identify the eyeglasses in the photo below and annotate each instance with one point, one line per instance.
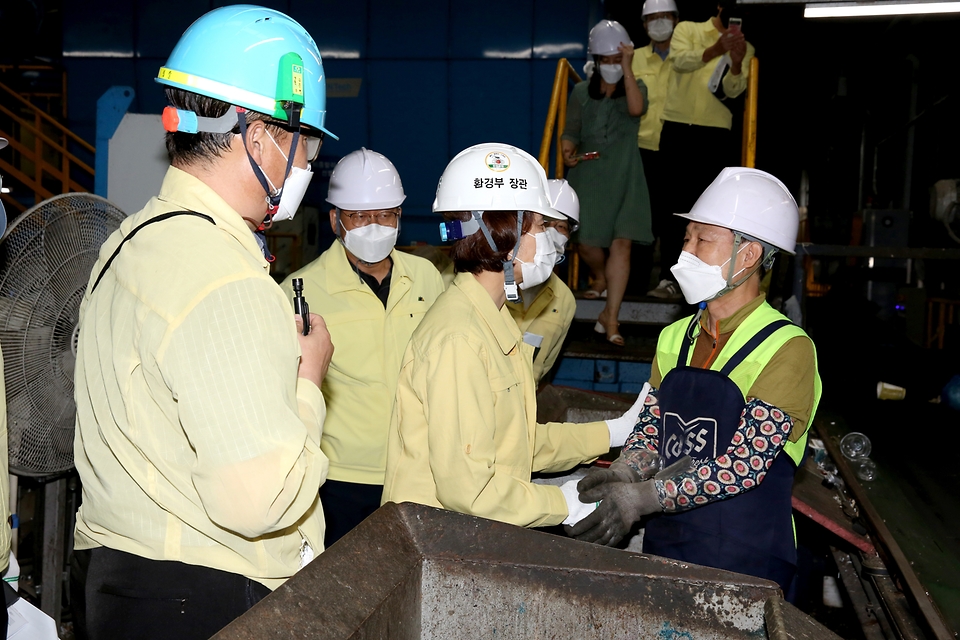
(387, 216)
(570, 227)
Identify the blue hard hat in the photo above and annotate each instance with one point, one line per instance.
(251, 57)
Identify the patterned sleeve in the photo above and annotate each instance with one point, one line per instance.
(760, 436)
(641, 451)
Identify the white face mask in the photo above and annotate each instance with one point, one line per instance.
(660, 29)
(371, 243)
(699, 281)
(559, 240)
(293, 189)
(538, 271)
(611, 73)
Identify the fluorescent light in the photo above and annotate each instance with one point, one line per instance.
(4, 190)
(863, 9)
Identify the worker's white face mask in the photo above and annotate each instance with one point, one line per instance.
(611, 73)
(699, 281)
(371, 243)
(293, 189)
(538, 271)
(660, 29)
(559, 240)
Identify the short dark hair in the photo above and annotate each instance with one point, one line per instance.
(473, 253)
(187, 148)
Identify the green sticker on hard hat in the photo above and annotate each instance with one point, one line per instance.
(497, 161)
(290, 79)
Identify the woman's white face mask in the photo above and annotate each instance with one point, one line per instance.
(292, 190)
(699, 281)
(370, 243)
(537, 272)
(611, 73)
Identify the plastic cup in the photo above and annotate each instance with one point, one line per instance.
(867, 470)
(887, 391)
(855, 445)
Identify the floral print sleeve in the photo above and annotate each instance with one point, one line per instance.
(759, 437)
(641, 451)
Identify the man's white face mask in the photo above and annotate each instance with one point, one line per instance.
(293, 189)
(699, 281)
(660, 29)
(538, 271)
(370, 243)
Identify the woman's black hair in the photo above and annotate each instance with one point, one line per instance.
(593, 89)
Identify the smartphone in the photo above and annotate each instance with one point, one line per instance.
(735, 26)
(590, 155)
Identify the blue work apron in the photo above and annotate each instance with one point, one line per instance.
(749, 533)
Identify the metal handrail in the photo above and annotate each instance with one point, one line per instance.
(557, 120)
(748, 150)
(57, 143)
(557, 115)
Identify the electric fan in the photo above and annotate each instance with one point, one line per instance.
(45, 261)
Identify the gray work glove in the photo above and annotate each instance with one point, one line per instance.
(616, 472)
(621, 505)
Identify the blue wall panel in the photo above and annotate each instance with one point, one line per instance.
(490, 103)
(98, 27)
(408, 124)
(339, 28)
(160, 25)
(434, 76)
(482, 29)
(406, 30)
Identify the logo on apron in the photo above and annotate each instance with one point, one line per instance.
(696, 438)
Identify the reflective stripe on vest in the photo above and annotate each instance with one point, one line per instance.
(671, 341)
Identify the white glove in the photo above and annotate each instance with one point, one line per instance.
(621, 428)
(576, 510)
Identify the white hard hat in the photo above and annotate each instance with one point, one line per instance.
(364, 180)
(605, 37)
(658, 6)
(564, 199)
(3, 143)
(752, 202)
(494, 177)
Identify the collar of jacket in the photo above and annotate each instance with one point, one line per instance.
(341, 275)
(728, 325)
(501, 323)
(189, 193)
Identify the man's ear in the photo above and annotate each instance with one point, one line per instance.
(333, 222)
(255, 139)
(752, 255)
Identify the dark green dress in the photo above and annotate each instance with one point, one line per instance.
(614, 200)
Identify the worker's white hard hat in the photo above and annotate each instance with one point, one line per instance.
(564, 199)
(365, 180)
(494, 177)
(658, 6)
(3, 143)
(751, 202)
(605, 37)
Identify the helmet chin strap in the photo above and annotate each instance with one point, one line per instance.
(738, 239)
(272, 199)
(509, 279)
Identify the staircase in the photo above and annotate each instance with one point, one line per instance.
(44, 158)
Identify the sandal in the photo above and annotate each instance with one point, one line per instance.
(613, 338)
(593, 294)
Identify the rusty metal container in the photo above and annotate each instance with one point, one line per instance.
(411, 572)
